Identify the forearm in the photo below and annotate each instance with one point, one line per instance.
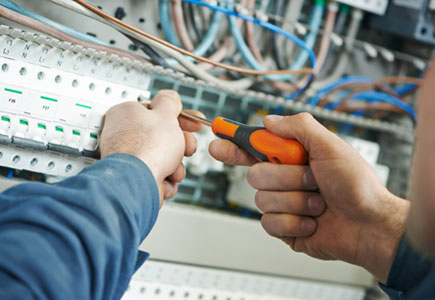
(77, 239)
(422, 220)
(380, 242)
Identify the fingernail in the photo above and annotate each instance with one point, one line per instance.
(309, 180)
(274, 118)
(168, 189)
(308, 225)
(168, 93)
(315, 204)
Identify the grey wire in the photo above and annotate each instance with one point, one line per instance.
(291, 17)
(339, 70)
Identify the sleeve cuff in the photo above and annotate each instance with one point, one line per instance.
(408, 269)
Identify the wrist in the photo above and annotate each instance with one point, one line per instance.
(380, 240)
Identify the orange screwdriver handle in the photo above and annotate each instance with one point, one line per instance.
(261, 143)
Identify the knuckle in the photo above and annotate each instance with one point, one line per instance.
(289, 228)
(266, 224)
(305, 118)
(252, 175)
(259, 200)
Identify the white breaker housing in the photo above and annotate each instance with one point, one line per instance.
(52, 102)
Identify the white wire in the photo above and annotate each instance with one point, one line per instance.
(339, 70)
(240, 84)
(291, 16)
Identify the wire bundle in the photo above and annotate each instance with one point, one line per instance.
(357, 88)
(186, 52)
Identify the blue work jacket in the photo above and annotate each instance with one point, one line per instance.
(79, 238)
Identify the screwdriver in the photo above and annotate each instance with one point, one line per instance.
(258, 141)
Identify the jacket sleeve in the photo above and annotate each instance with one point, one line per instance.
(411, 275)
(77, 239)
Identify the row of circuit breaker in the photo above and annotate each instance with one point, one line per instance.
(47, 109)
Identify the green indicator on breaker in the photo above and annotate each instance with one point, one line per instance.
(75, 132)
(24, 122)
(93, 135)
(48, 98)
(60, 129)
(6, 119)
(84, 106)
(42, 126)
(13, 91)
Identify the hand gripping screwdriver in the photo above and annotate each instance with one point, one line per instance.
(258, 141)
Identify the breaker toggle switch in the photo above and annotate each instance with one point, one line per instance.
(56, 135)
(39, 133)
(22, 128)
(74, 139)
(5, 124)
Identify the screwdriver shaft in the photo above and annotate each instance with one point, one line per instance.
(195, 118)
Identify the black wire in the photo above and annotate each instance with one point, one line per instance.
(154, 56)
(341, 22)
(276, 51)
(190, 12)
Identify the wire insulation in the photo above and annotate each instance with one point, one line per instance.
(60, 35)
(185, 52)
(180, 25)
(194, 69)
(166, 23)
(15, 7)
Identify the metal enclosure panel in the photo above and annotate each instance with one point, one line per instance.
(203, 237)
(373, 6)
(412, 20)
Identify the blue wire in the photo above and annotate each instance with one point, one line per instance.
(310, 40)
(208, 39)
(13, 6)
(166, 23)
(405, 89)
(10, 174)
(211, 34)
(246, 52)
(247, 55)
(382, 97)
(345, 80)
(268, 26)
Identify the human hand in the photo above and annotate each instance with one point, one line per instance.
(155, 135)
(335, 208)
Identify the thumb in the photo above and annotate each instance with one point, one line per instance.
(306, 130)
(167, 102)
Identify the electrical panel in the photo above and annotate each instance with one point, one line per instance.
(56, 86)
(409, 19)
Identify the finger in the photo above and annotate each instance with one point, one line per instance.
(307, 130)
(289, 241)
(287, 225)
(190, 144)
(178, 175)
(171, 189)
(274, 177)
(167, 103)
(296, 203)
(190, 125)
(230, 154)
